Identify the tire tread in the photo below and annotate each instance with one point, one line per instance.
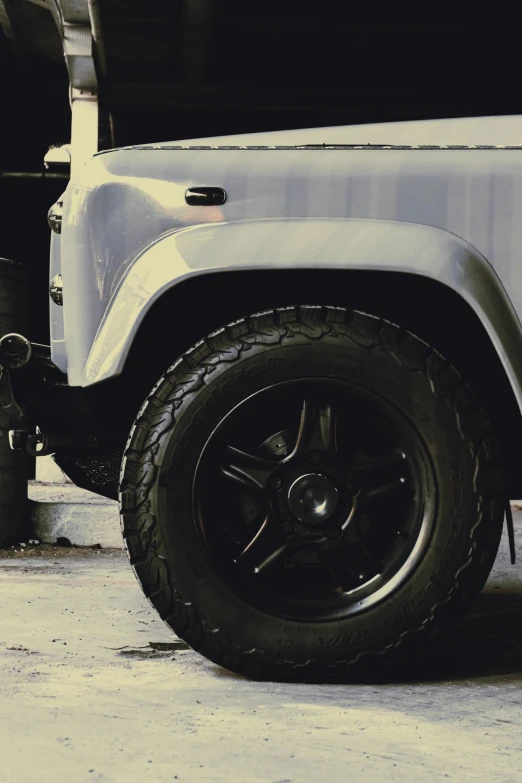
(189, 373)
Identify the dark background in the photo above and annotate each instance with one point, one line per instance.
(254, 67)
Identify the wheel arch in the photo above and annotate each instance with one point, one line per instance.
(297, 244)
(420, 277)
(197, 306)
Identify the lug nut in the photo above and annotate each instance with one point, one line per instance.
(287, 528)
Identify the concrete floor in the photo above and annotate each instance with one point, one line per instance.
(95, 688)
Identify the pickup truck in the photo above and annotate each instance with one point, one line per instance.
(296, 360)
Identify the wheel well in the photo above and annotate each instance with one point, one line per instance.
(431, 310)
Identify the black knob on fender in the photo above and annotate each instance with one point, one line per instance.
(205, 196)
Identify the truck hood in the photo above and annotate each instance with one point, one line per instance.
(467, 131)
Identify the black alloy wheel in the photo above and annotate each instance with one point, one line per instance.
(326, 515)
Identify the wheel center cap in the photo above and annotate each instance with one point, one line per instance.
(312, 498)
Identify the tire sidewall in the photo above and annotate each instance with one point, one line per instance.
(229, 383)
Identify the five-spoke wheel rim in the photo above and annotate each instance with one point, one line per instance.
(314, 500)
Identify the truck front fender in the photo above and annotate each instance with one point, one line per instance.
(301, 244)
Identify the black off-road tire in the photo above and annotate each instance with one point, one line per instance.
(14, 465)
(215, 375)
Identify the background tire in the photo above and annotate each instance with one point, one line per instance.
(14, 465)
(158, 496)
